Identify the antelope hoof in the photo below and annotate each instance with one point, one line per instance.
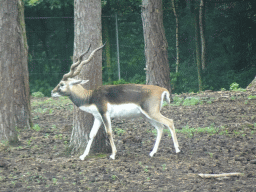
(82, 157)
(151, 154)
(177, 150)
(112, 156)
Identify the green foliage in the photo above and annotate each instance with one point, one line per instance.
(114, 177)
(121, 81)
(191, 101)
(230, 58)
(42, 86)
(177, 101)
(191, 131)
(54, 181)
(164, 167)
(136, 79)
(59, 136)
(36, 127)
(40, 110)
(38, 94)
(61, 100)
(252, 97)
(235, 87)
(185, 80)
(52, 4)
(33, 2)
(119, 131)
(211, 154)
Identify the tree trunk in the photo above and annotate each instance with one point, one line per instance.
(197, 43)
(14, 80)
(174, 6)
(157, 65)
(87, 14)
(202, 35)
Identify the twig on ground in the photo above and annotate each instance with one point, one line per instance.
(219, 175)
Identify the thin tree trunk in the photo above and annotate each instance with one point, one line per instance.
(174, 5)
(87, 26)
(14, 80)
(157, 65)
(197, 44)
(107, 48)
(202, 35)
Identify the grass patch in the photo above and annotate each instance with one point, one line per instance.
(211, 130)
(177, 101)
(41, 110)
(37, 94)
(191, 101)
(252, 97)
(50, 101)
(36, 127)
(211, 154)
(58, 136)
(119, 131)
(164, 104)
(190, 132)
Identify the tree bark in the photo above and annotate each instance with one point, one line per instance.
(202, 35)
(14, 79)
(197, 44)
(174, 6)
(157, 65)
(87, 14)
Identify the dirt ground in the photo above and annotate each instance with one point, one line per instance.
(217, 135)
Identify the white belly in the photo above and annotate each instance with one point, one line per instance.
(91, 109)
(126, 111)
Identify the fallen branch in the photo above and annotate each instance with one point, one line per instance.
(219, 175)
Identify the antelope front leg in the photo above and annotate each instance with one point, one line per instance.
(96, 125)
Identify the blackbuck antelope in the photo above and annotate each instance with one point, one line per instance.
(124, 101)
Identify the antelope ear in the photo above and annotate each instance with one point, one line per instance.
(75, 81)
(84, 81)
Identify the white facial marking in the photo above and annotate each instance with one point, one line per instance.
(56, 94)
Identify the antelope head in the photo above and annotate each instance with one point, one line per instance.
(65, 85)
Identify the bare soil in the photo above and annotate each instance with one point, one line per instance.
(40, 162)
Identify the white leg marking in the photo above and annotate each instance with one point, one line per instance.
(159, 128)
(176, 144)
(174, 137)
(107, 123)
(96, 125)
(162, 120)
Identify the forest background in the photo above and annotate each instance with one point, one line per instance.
(230, 33)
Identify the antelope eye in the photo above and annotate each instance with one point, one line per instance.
(62, 84)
